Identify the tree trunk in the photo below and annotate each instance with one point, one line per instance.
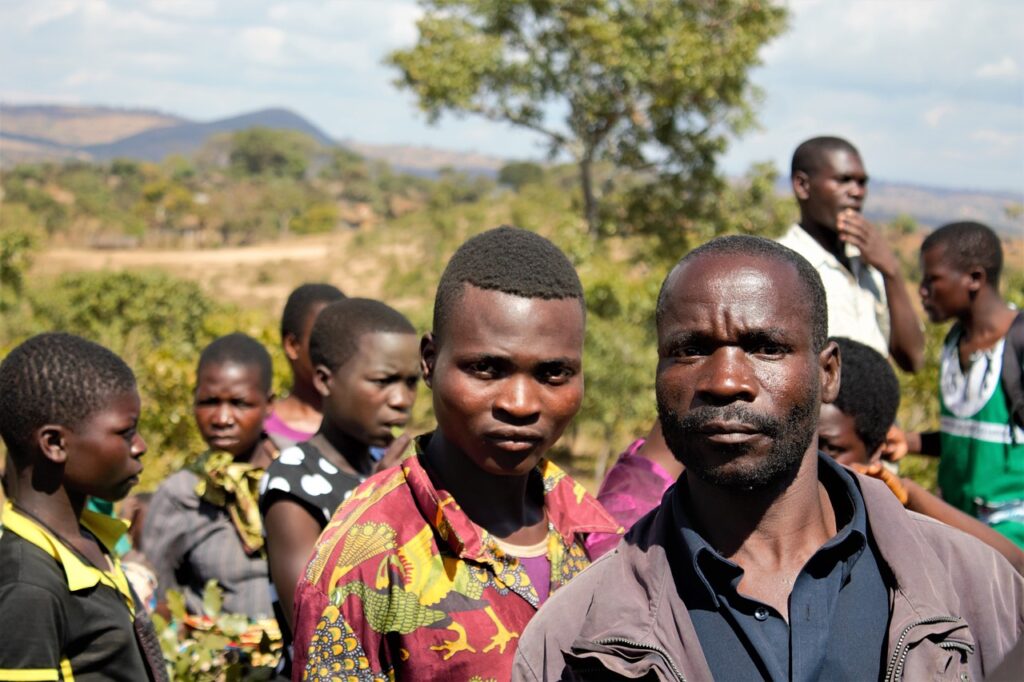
(589, 201)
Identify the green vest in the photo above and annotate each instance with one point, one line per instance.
(982, 467)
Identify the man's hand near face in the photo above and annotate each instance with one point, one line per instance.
(906, 338)
(855, 229)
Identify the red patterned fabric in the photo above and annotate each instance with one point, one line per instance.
(402, 584)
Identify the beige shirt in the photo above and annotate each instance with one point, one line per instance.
(857, 308)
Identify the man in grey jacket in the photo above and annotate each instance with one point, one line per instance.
(766, 559)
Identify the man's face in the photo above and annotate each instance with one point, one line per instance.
(375, 390)
(837, 438)
(739, 382)
(230, 406)
(506, 376)
(104, 450)
(945, 291)
(840, 183)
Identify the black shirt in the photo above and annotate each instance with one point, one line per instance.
(302, 474)
(61, 618)
(838, 607)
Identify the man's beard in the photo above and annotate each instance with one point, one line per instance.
(789, 439)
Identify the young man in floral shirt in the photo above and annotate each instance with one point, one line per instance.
(432, 569)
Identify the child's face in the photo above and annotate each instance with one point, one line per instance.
(230, 406)
(103, 451)
(945, 291)
(837, 437)
(375, 390)
(506, 377)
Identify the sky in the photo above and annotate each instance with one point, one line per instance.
(931, 91)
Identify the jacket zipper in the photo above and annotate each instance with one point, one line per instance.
(647, 647)
(899, 656)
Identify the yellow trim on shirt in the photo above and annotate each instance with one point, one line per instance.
(65, 670)
(29, 674)
(80, 576)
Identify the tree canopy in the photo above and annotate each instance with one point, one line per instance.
(654, 86)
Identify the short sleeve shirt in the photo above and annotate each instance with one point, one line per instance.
(403, 585)
(302, 473)
(61, 618)
(857, 307)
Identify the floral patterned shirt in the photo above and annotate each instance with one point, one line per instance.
(403, 585)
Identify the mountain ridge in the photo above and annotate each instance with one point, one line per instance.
(35, 132)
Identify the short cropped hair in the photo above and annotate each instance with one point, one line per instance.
(810, 154)
(303, 300)
(510, 260)
(338, 328)
(759, 247)
(869, 391)
(969, 244)
(56, 378)
(239, 349)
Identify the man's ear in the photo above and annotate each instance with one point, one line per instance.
(801, 182)
(291, 346)
(322, 379)
(428, 356)
(830, 363)
(976, 279)
(52, 440)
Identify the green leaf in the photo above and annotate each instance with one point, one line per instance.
(213, 598)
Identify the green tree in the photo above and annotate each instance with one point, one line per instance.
(20, 236)
(519, 173)
(649, 85)
(262, 151)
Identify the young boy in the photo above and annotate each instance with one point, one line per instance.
(852, 430)
(366, 367)
(204, 522)
(430, 570)
(297, 416)
(68, 414)
(981, 436)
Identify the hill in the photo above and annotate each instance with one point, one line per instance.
(55, 132)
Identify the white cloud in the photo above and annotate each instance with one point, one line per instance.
(81, 77)
(933, 117)
(189, 9)
(997, 138)
(1004, 68)
(43, 13)
(263, 45)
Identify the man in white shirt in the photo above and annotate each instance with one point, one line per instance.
(867, 297)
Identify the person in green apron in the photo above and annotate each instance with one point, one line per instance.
(981, 437)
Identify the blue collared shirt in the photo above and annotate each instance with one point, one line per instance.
(838, 607)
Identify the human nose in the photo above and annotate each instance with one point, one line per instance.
(139, 446)
(518, 397)
(401, 397)
(727, 377)
(223, 415)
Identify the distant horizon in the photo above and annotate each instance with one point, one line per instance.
(1016, 195)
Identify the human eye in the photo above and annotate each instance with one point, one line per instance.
(482, 368)
(556, 374)
(767, 345)
(688, 348)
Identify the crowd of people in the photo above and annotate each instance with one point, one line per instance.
(760, 530)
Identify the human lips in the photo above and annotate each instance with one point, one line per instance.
(223, 440)
(729, 432)
(514, 440)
